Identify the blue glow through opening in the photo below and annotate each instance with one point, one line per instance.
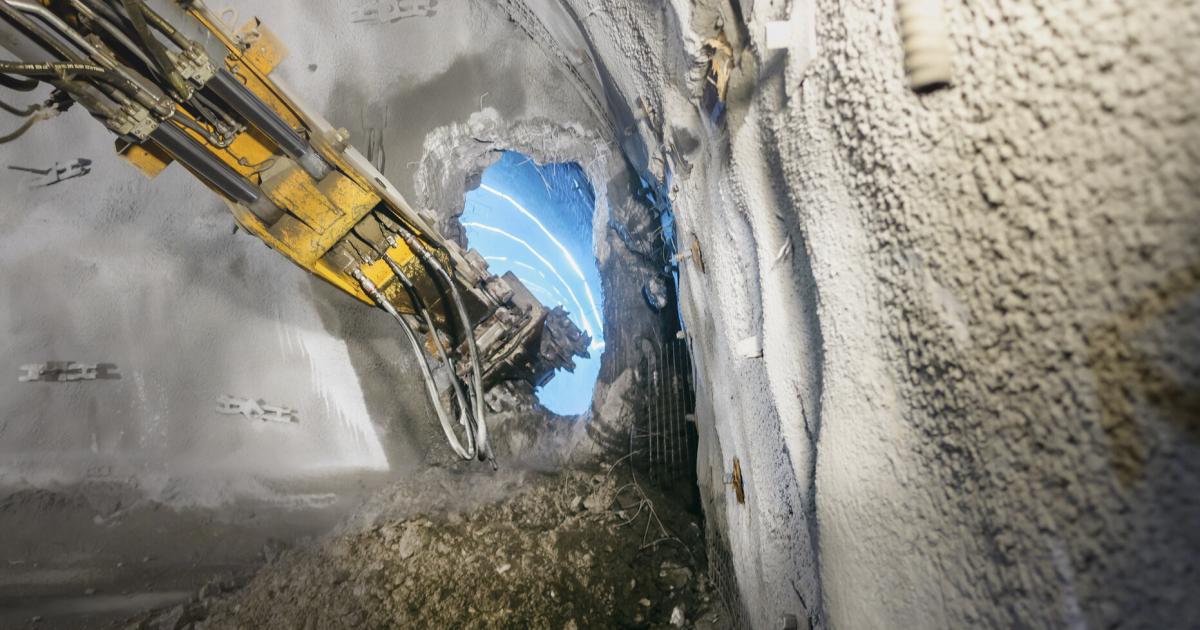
(536, 221)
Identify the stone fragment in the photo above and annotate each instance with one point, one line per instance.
(677, 617)
(410, 542)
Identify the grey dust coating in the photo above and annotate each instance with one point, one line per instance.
(977, 307)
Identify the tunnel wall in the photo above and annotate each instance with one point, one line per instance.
(1035, 297)
(950, 337)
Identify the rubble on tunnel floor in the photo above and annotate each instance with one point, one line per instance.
(519, 549)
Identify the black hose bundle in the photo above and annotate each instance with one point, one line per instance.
(137, 19)
(17, 83)
(49, 69)
(19, 131)
(468, 331)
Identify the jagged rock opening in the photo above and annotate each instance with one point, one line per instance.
(535, 222)
(941, 342)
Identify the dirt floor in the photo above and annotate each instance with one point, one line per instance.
(91, 554)
(511, 549)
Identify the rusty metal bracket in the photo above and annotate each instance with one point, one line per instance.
(735, 479)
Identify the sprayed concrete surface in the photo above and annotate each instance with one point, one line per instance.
(950, 338)
(974, 402)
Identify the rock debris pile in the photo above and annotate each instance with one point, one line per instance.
(516, 550)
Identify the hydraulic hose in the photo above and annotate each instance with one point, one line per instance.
(49, 68)
(90, 97)
(124, 78)
(163, 26)
(93, 13)
(467, 420)
(430, 386)
(109, 20)
(210, 137)
(55, 73)
(17, 111)
(468, 331)
(38, 34)
(19, 131)
(137, 18)
(104, 8)
(18, 84)
(213, 111)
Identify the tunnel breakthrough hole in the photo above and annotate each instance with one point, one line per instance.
(535, 220)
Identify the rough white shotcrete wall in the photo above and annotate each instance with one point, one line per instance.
(1034, 285)
(977, 309)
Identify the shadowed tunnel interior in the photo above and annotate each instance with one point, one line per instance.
(564, 314)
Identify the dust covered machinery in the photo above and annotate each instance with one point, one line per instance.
(291, 180)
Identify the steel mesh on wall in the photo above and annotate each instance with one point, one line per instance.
(659, 437)
(723, 579)
(662, 443)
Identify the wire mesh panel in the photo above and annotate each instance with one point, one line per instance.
(720, 571)
(663, 441)
(659, 437)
